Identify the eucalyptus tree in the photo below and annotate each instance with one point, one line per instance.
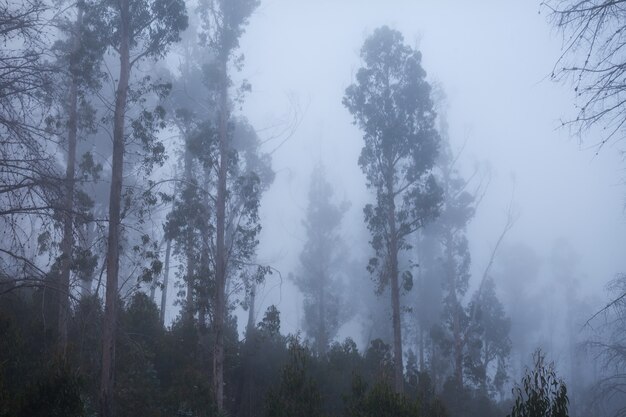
(494, 344)
(249, 174)
(223, 23)
(426, 302)
(139, 30)
(321, 262)
(390, 102)
(474, 335)
(186, 106)
(79, 58)
(449, 230)
(540, 392)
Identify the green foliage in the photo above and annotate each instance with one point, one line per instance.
(297, 394)
(57, 393)
(85, 342)
(137, 385)
(333, 374)
(183, 367)
(233, 20)
(492, 340)
(166, 372)
(380, 401)
(541, 393)
(391, 104)
(159, 24)
(270, 325)
(32, 381)
(191, 222)
(322, 262)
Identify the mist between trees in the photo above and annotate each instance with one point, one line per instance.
(150, 264)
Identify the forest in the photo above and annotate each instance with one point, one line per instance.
(284, 208)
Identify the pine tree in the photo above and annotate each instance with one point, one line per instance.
(319, 277)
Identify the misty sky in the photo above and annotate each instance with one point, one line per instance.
(493, 59)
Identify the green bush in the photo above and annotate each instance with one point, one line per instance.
(541, 393)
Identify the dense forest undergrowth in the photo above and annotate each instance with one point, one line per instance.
(163, 372)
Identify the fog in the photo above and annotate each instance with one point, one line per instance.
(493, 60)
(213, 190)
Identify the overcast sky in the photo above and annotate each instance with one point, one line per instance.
(493, 59)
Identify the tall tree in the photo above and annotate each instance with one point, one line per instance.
(140, 30)
(494, 345)
(449, 230)
(188, 220)
(321, 264)
(249, 174)
(80, 56)
(426, 303)
(391, 104)
(224, 23)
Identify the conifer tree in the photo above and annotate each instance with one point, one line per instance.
(319, 277)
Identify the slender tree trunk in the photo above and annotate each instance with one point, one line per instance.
(155, 282)
(458, 351)
(68, 207)
(153, 286)
(456, 325)
(113, 247)
(421, 348)
(395, 288)
(190, 257)
(203, 301)
(434, 356)
(484, 364)
(250, 325)
(166, 276)
(246, 403)
(322, 343)
(220, 270)
(397, 329)
(86, 281)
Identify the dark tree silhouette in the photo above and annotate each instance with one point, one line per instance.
(391, 104)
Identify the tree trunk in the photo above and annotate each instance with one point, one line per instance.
(203, 300)
(110, 309)
(395, 289)
(191, 259)
(250, 325)
(86, 281)
(68, 207)
(246, 402)
(322, 343)
(484, 365)
(166, 276)
(220, 270)
(397, 329)
(456, 325)
(153, 286)
(421, 348)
